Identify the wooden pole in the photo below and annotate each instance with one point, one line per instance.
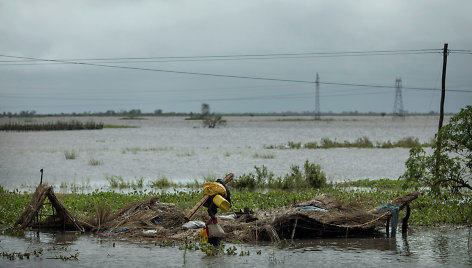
(443, 87)
(441, 111)
(405, 220)
(192, 212)
(41, 181)
(294, 228)
(387, 227)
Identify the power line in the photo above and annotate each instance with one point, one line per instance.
(32, 62)
(256, 56)
(225, 75)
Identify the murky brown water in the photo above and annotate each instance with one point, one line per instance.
(433, 247)
(182, 150)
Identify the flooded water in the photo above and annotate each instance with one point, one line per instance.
(183, 150)
(433, 247)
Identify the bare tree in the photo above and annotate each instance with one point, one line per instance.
(205, 110)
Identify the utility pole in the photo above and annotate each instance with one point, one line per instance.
(441, 111)
(317, 98)
(398, 111)
(443, 87)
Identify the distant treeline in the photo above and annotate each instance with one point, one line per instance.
(49, 126)
(159, 112)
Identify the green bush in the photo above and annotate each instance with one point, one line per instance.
(245, 181)
(449, 167)
(311, 176)
(161, 183)
(314, 176)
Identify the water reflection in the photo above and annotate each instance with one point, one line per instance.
(360, 244)
(59, 238)
(445, 247)
(441, 247)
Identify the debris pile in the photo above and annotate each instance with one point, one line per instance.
(322, 216)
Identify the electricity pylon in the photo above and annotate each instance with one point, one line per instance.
(398, 111)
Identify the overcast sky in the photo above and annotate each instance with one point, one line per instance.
(74, 31)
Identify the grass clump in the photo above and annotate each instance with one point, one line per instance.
(69, 155)
(161, 182)
(135, 150)
(118, 182)
(102, 214)
(94, 162)
(263, 156)
(362, 142)
(408, 142)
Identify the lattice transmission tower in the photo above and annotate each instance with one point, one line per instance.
(317, 98)
(398, 111)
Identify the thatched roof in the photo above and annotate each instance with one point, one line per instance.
(145, 215)
(321, 216)
(326, 218)
(61, 217)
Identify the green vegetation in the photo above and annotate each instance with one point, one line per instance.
(161, 182)
(263, 156)
(362, 142)
(302, 120)
(94, 162)
(118, 182)
(118, 126)
(69, 155)
(185, 154)
(135, 150)
(428, 209)
(449, 168)
(37, 253)
(58, 125)
(312, 176)
(208, 120)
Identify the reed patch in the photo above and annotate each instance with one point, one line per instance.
(362, 142)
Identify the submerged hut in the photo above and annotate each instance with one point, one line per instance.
(322, 216)
(35, 215)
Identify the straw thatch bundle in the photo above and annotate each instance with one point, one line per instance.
(327, 219)
(60, 219)
(322, 216)
(149, 214)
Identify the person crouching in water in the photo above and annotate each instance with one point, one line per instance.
(219, 197)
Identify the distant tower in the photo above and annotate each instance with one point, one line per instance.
(317, 98)
(398, 111)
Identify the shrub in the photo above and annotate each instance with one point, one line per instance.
(314, 176)
(247, 181)
(294, 179)
(161, 182)
(449, 167)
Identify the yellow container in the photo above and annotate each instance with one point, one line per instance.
(202, 234)
(221, 202)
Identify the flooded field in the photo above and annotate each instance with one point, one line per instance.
(183, 150)
(431, 247)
